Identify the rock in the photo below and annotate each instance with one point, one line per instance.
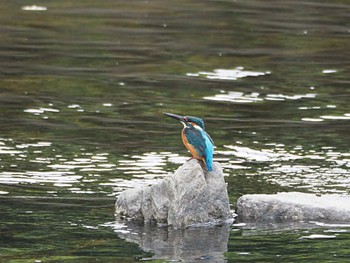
(293, 207)
(190, 196)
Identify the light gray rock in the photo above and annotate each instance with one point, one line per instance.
(190, 196)
(293, 207)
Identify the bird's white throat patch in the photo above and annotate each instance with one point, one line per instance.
(196, 126)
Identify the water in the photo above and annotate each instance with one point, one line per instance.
(82, 90)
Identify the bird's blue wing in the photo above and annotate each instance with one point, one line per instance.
(209, 151)
(203, 144)
(196, 139)
(211, 140)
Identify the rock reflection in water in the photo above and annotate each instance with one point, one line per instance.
(186, 245)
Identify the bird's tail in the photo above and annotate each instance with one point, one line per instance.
(209, 163)
(209, 154)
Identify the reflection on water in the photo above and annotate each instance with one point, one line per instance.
(328, 71)
(325, 170)
(317, 236)
(177, 245)
(40, 110)
(240, 97)
(82, 170)
(34, 8)
(240, 242)
(228, 74)
(346, 116)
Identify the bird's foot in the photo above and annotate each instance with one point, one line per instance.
(190, 159)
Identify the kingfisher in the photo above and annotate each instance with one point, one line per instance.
(196, 139)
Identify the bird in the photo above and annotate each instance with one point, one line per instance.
(196, 139)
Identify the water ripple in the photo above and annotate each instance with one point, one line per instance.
(84, 172)
(34, 8)
(316, 170)
(325, 170)
(241, 97)
(228, 74)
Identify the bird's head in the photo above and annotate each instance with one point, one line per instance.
(187, 121)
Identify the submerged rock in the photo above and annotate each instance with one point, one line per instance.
(190, 196)
(293, 207)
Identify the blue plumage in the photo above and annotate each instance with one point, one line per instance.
(195, 138)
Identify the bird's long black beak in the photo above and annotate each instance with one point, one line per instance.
(174, 116)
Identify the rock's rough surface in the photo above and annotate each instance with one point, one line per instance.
(188, 197)
(292, 207)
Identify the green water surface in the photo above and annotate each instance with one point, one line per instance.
(83, 88)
